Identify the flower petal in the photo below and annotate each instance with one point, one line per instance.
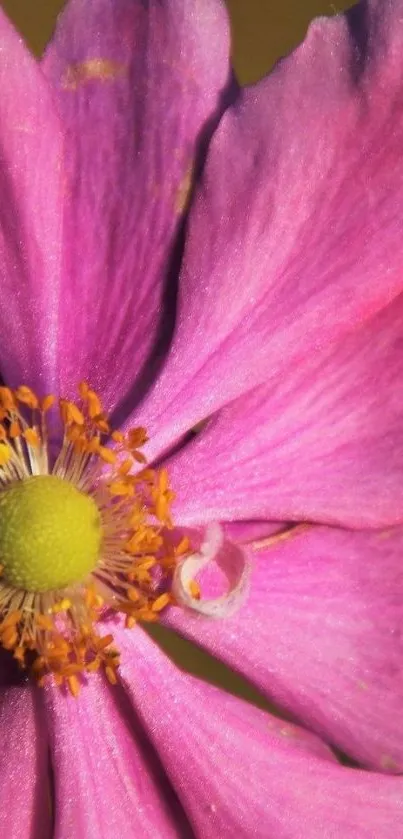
(295, 233)
(107, 782)
(136, 85)
(25, 802)
(321, 636)
(30, 217)
(325, 444)
(241, 772)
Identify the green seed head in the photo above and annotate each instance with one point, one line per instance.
(50, 534)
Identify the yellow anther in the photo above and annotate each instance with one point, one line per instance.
(107, 455)
(5, 453)
(25, 395)
(62, 606)
(120, 488)
(117, 437)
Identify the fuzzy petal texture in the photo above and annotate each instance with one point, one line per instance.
(107, 780)
(325, 444)
(30, 217)
(136, 84)
(25, 791)
(295, 232)
(240, 772)
(321, 635)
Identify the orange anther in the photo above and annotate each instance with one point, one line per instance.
(14, 430)
(183, 547)
(83, 389)
(136, 437)
(110, 674)
(7, 400)
(194, 589)
(47, 402)
(161, 602)
(11, 620)
(31, 436)
(130, 622)
(70, 413)
(73, 685)
(44, 622)
(94, 404)
(104, 642)
(25, 395)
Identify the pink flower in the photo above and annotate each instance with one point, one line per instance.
(273, 307)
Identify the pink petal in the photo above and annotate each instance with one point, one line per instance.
(241, 773)
(321, 636)
(325, 444)
(30, 217)
(25, 802)
(295, 233)
(135, 84)
(107, 780)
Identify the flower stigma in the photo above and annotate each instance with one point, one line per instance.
(81, 533)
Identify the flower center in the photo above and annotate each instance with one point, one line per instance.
(50, 534)
(81, 533)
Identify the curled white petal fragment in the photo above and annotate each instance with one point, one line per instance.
(237, 571)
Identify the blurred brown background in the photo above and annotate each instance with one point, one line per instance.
(263, 31)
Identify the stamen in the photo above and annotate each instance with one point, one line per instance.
(52, 631)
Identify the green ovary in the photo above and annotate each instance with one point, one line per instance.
(50, 534)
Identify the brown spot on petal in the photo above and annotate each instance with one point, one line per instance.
(184, 190)
(389, 764)
(94, 69)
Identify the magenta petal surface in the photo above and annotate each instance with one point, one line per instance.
(25, 794)
(295, 233)
(105, 784)
(321, 635)
(325, 444)
(135, 84)
(239, 772)
(30, 217)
